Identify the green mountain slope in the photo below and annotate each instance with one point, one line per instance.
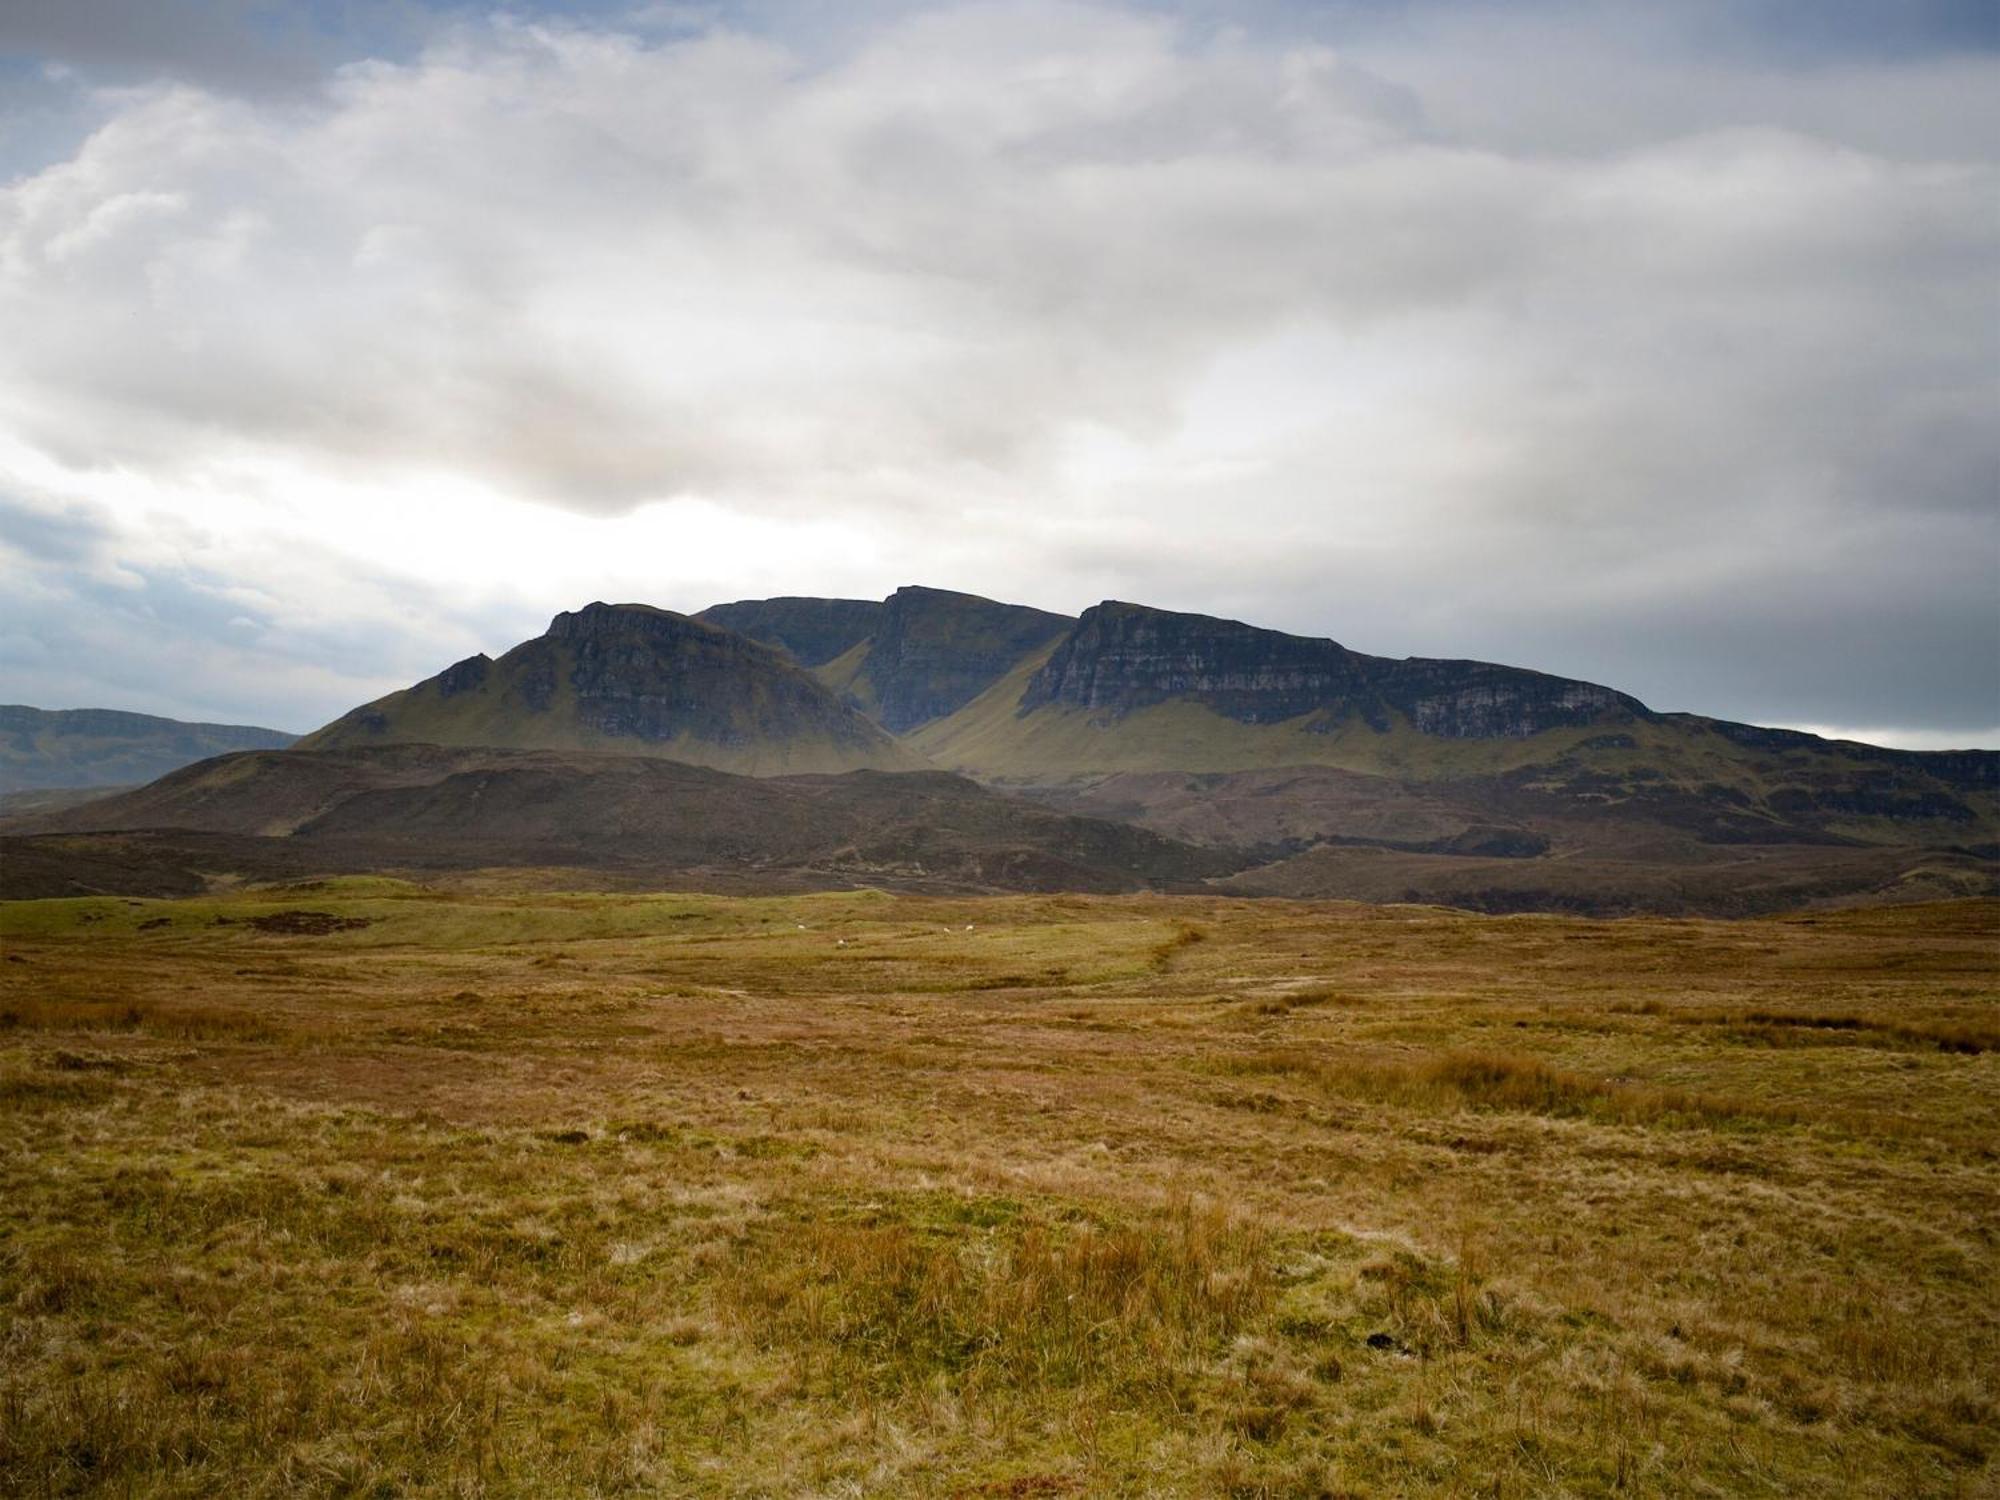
(631, 679)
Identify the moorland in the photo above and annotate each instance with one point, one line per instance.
(479, 1185)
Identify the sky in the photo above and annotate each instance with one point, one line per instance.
(1656, 345)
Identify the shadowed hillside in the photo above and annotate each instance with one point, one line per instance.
(1129, 688)
(915, 657)
(635, 680)
(810, 631)
(429, 807)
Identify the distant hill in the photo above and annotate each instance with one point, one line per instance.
(45, 749)
(630, 679)
(430, 807)
(907, 660)
(35, 802)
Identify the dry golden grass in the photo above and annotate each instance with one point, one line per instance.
(484, 1190)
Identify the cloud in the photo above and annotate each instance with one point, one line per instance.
(1066, 301)
(604, 272)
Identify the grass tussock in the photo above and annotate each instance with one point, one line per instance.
(1184, 936)
(1506, 1081)
(1967, 1036)
(172, 1020)
(1311, 998)
(1039, 1306)
(1511, 1081)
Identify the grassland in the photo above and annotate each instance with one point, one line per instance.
(367, 1188)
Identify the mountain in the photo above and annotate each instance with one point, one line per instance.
(905, 661)
(1128, 744)
(428, 807)
(1129, 688)
(91, 747)
(628, 678)
(1222, 733)
(810, 631)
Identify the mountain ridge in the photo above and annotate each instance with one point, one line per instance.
(636, 679)
(1303, 767)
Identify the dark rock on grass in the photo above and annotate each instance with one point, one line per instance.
(308, 923)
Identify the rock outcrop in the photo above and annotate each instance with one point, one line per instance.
(810, 631)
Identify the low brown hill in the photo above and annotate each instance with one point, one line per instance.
(1682, 879)
(429, 807)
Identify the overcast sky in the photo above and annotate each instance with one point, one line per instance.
(1657, 345)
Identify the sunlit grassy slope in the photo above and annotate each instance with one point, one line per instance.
(368, 1188)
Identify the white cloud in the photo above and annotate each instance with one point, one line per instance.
(1051, 301)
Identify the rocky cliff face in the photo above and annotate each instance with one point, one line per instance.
(632, 678)
(924, 652)
(1121, 657)
(463, 676)
(811, 631)
(1470, 700)
(935, 651)
(649, 674)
